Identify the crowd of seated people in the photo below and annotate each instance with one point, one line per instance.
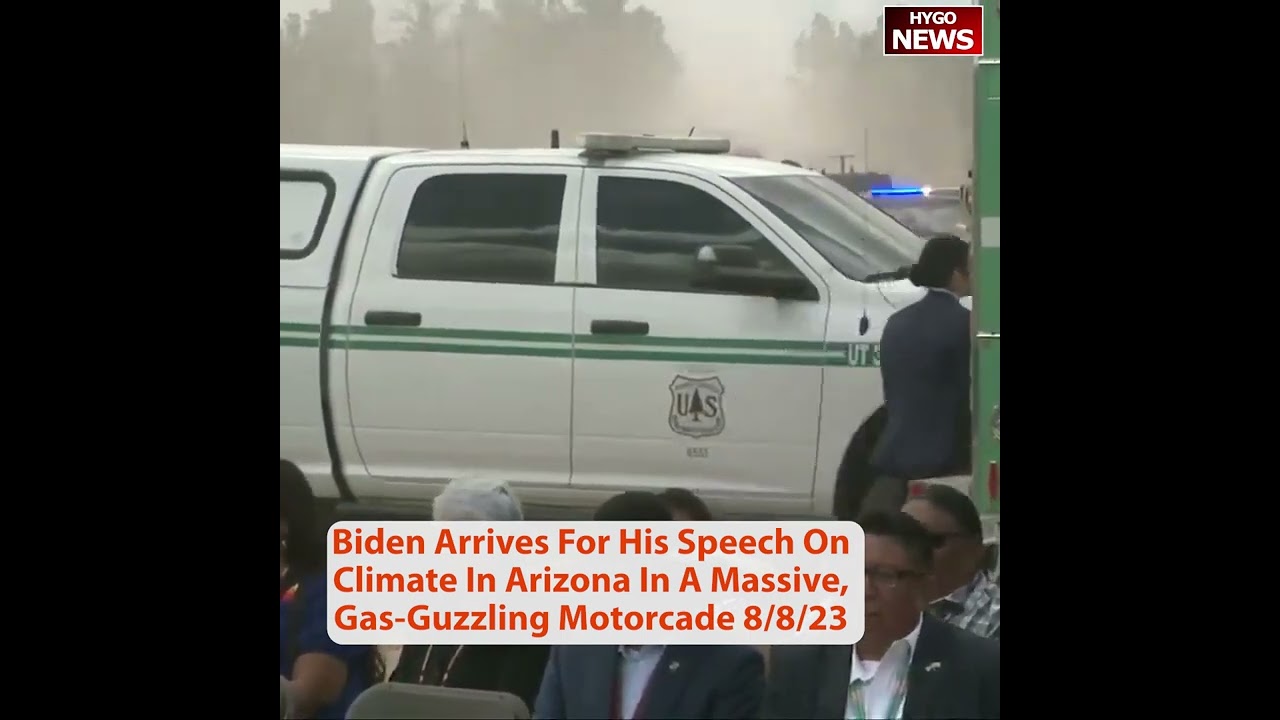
(929, 603)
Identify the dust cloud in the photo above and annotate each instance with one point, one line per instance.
(798, 79)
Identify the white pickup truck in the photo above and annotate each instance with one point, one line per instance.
(638, 313)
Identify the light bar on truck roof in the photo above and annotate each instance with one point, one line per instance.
(923, 191)
(619, 143)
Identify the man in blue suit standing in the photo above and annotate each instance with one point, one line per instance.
(924, 367)
(607, 682)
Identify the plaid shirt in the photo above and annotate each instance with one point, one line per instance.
(974, 607)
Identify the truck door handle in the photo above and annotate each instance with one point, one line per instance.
(396, 318)
(619, 327)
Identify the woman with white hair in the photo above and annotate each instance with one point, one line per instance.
(516, 669)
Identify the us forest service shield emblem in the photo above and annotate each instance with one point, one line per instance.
(697, 406)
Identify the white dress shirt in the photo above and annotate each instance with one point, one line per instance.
(880, 677)
(635, 670)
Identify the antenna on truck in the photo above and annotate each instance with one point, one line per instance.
(462, 82)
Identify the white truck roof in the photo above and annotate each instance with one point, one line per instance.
(338, 152)
(720, 164)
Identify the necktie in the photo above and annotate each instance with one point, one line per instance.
(858, 697)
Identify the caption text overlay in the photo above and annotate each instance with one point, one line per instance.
(595, 583)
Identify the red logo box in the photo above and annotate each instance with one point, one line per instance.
(948, 30)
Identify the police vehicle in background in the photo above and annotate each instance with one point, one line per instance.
(860, 182)
(925, 210)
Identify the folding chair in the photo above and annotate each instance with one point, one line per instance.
(409, 701)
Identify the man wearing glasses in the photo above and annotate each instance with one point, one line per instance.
(908, 664)
(966, 594)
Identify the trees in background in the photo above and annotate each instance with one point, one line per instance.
(514, 69)
(512, 72)
(915, 115)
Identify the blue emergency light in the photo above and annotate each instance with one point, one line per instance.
(876, 192)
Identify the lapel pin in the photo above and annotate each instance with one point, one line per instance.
(932, 666)
(674, 666)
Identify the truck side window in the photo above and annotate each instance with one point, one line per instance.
(305, 199)
(648, 233)
(492, 228)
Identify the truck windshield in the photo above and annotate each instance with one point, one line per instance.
(850, 233)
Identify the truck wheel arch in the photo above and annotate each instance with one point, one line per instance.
(853, 477)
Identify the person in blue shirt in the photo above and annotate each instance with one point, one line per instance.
(323, 676)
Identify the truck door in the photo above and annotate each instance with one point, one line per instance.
(459, 340)
(677, 386)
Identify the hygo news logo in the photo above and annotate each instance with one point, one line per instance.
(933, 30)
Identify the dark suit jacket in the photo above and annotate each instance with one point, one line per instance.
(812, 682)
(516, 669)
(708, 682)
(924, 366)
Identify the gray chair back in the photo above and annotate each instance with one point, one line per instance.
(409, 701)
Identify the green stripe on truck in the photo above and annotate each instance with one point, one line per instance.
(719, 351)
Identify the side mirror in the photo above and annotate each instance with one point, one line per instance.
(734, 268)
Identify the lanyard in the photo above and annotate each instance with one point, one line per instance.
(448, 668)
(857, 694)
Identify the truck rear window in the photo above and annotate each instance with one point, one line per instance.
(484, 227)
(305, 199)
